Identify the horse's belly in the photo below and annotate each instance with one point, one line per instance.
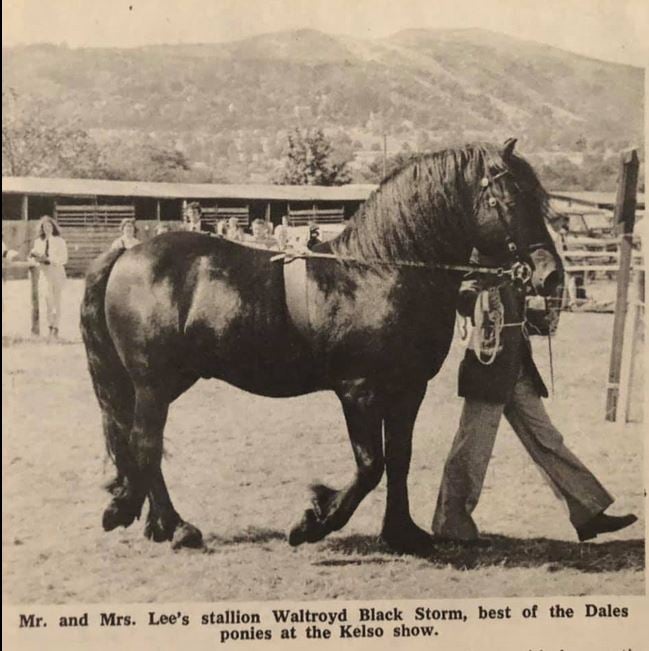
(266, 375)
(268, 359)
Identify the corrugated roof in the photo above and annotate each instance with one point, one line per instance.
(95, 187)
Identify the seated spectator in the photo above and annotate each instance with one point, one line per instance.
(128, 239)
(281, 234)
(260, 236)
(221, 227)
(314, 236)
(8, 254)
(162, 228)
(233, 232)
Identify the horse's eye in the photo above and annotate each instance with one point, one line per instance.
(492, 202)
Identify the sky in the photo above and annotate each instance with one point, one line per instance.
(613, 30)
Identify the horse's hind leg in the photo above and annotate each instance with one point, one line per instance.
(127, 502)
(399, 531)
(333, 508)
(163, 522)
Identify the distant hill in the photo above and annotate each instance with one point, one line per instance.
(229, 105)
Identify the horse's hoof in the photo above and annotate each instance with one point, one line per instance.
(309, 529)
(408, 540)
(116, 516)
(187, 535)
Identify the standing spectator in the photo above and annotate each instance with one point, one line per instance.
(51, 253)
(195, 221)
(128, 239)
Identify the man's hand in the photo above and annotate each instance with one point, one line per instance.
(466, 302)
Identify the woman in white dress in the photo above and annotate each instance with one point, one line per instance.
(51, 253)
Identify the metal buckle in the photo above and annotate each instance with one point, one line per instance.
(522, 272)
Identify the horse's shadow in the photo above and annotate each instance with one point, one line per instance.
(500, 551)
(503, 551)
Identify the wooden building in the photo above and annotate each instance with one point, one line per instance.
(89, 210)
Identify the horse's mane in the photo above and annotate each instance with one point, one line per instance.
(427, 203)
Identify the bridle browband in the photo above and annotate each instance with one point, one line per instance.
(520, 268)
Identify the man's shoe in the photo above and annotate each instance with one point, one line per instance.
(603, 523)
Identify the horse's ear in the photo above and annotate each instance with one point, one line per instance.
(508, 148)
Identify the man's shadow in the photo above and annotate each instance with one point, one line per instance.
(500, 551)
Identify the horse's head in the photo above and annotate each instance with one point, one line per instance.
(509, 214)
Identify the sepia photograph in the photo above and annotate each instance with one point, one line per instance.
(308, 300)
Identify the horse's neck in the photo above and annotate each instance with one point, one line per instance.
(444, 237)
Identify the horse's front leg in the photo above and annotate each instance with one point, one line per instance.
(399, 531)
(333, 508)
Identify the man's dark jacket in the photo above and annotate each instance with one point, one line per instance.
(495, 382)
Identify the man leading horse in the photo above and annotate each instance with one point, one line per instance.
(498, 376)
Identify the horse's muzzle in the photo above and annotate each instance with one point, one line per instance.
(547, 276)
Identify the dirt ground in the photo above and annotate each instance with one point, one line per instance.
(237, 466)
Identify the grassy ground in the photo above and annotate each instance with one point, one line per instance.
(241, 479)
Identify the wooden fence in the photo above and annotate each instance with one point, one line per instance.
(89, 229)
(301, 217)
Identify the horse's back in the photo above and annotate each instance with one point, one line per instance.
(210, 307)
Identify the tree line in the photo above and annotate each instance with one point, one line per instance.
(33, 145)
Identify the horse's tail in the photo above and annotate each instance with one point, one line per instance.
(112, 384)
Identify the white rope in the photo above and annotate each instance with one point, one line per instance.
(489, 320)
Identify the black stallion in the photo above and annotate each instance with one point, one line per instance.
(369, 316)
